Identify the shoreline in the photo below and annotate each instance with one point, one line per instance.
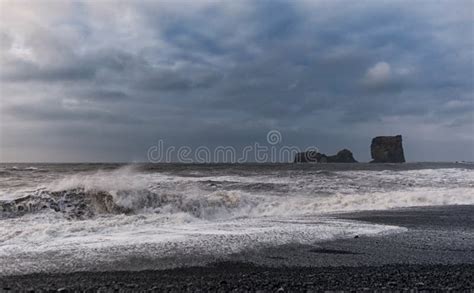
(434, 253)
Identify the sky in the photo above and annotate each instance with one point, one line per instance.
(105, 80)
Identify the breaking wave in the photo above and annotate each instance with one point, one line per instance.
(126, 191)
(92, 218)
(82, 204)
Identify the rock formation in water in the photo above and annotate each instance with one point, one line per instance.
(343, 156)
(387, 149)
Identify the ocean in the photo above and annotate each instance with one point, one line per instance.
(85, 217)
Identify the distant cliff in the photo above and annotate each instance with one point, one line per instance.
(387, 149)
(343, 156)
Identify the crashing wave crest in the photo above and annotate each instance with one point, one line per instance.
(82, 204)
(75, 203)
(125, 191)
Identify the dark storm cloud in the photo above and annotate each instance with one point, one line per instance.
(59, 113)
(334, 73)
(103, 94)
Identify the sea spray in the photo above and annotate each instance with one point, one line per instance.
(98, 214)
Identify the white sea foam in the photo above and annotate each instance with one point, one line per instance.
(163, 215)
(96, 242)
(314, 194)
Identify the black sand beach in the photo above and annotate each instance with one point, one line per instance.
(236, 146)
(435, 253)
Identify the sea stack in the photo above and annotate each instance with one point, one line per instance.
(387, 149)
(343, 156)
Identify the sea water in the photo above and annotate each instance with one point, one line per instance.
(76, 217)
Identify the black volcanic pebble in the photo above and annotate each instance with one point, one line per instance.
(239, 277)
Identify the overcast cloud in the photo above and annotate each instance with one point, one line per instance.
(105, 80)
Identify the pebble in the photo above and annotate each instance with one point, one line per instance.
(243, 278)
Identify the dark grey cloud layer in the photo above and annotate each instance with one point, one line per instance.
(96, 81)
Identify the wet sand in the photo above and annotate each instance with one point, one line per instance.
(436, 252)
